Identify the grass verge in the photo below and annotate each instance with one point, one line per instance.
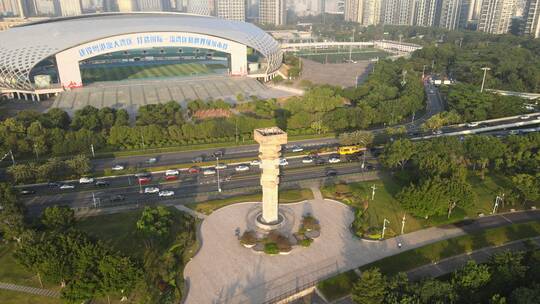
(286, 196)
(341, 285)
(15, 297)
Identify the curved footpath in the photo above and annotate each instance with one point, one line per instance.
(223, 271)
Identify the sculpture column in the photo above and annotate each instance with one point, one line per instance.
(270, 141)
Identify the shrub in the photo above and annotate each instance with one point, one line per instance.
(271, 248)
(248, 238)
(310, 223)
(306, 242)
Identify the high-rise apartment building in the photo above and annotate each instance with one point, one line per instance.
(272, 12)
(126, 5)
(303, 8)
(151, 5)
(426, 12)
(398, 12)
(201, 7)
(450, 14)
(70, 7)
(496, 16)
(45, 8)
(531, 19)
(372, 12)
(231, 9)
(354, 10)
(10, 8)
(334, 6)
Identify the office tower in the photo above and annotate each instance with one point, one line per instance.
(272, 12)
(531, 19)
(496, 16)
(70, 7)
(126, 5)
(354, 10)
(201, 7)
(426, 12)
(231, 9)
(336, 7)
(450, 12)
(303, 8)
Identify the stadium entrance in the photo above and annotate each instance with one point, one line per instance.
(154, 63)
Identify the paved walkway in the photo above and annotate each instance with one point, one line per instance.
(225, 272)
(190, 211)
(32, 290)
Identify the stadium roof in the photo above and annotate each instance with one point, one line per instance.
(22, 47)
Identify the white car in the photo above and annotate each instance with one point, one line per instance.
(524, 117)
(67, 186)
(166, 193)
(209, 171)
(151, 160)
(437, 132)
(255, 162)
(283, 162)
(297, 149)
(241, 168)
(151, 190)
(118, 168)
(307, 160)
(171, 172)
(86, 180)
(472, 124)
(221, 166)
(334, 160)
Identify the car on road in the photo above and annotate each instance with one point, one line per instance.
(143, 174)
(431, 91)
(53, 184)
(151, 160)
(331, 172)
(283, 162)
(67, 186)
(217, 154)
(241, 168)
(513, 132)
(171, 172)
(117, 168)
(472, 124)
(171, 177)
(144, 180)
(437, 132)
(118, 198)
(209, 171)
(150, 190)
(320, 161)
(524, 117)
(334, 160)
(198, 159)
(86, 180)
(166, 193)
(221, 166)
(255, 162)
(297, 149)
(102, 183)
(370, 167)
(194, 170)
(307, 160)
(27, 191)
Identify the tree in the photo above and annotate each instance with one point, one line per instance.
(58, 218)
(435, 291)
(12, 225)
(370, 288)
(79, 165)
(427, 199)
(470, 279)
(507, 270)
(155, 221)
(117, 275)
(397, 153)
(525, 295)
(363, 138)
(528, 186)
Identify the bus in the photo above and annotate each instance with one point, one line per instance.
(348, 150)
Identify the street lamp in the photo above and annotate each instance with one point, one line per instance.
(385, 221)
(484, 78)
(217, 170)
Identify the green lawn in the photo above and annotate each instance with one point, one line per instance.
(101, 73)
(286, 196)
(119, 230)
(14, 297)
(339, 55)
(386, 206)
(340, 285)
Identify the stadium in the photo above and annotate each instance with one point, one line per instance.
(65, 53)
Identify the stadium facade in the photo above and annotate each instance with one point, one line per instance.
(66, 42)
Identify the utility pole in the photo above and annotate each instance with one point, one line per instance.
(236, 129)
(217, 170)
(36, 151)
(484, 78)
(12, 157)
(403, 224)
(94, 200)
(142, 140)
(373, 188)
(92, 149)
(450, 208)
(385, 221)
(350, 46)
(412, 120)
(364, 162)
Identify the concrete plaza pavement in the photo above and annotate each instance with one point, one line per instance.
(223, 271)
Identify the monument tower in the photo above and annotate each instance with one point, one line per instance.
(270, 141)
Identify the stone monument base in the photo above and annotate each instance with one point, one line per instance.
(284, 225)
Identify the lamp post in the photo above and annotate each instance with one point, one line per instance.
(385, 221)
(217, 171)
(403, 224)
(373, 188)
(484, 78)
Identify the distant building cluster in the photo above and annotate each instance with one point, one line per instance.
(490, 16)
